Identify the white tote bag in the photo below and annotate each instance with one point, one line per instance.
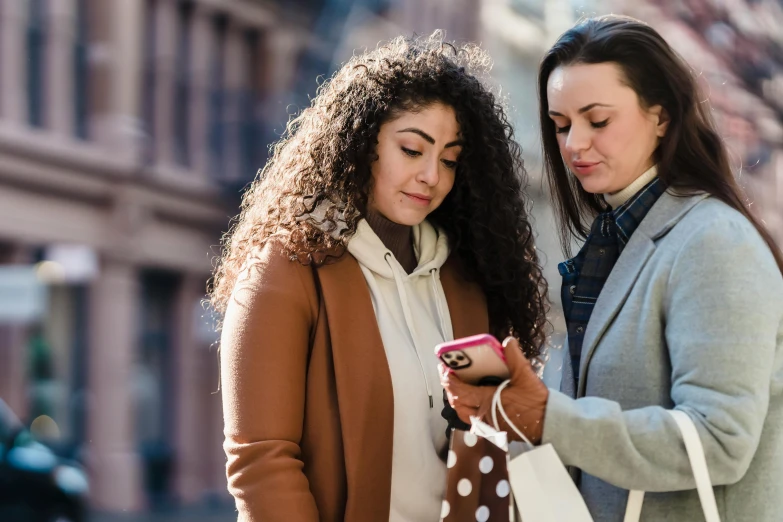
(542, 489)
(699, 466)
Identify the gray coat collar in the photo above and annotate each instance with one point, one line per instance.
(662, 217)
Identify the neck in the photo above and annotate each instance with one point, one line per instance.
(395, 237)
(618, 198)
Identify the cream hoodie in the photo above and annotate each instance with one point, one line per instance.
(412, 318)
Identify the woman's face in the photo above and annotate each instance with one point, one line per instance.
(607, 139)
(417, 158)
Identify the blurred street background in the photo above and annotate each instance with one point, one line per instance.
(128, 129)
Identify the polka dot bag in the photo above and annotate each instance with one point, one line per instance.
(477, 489)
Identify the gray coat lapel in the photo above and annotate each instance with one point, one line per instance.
(567, 383)
(667, 212)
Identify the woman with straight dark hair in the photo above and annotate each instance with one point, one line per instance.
(675, 301)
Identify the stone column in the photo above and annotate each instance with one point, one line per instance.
(200, 99)
(191, 395)
(13, 62)
(281, 48)
(60, 67)
(116, 31)
(113, 342)
(166, 31)
(235, 86)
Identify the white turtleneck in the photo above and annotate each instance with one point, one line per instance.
(618, 198)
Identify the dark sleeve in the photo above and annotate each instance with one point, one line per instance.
(450, 414)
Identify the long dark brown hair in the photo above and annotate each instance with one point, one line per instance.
(324, 161)
(691, 157)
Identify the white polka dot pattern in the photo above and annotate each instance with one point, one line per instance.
(451, 460)
(445, 509)
(486, 464)
(464, 487)
(477, 486)
(503, 489)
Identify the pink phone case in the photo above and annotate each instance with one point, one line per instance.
(476, 360)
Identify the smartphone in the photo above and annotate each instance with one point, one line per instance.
(475, 360)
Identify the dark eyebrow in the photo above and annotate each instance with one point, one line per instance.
(582, 110)
(429, 138)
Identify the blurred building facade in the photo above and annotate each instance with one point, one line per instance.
(126, 128)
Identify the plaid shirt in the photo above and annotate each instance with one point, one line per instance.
(584, 276)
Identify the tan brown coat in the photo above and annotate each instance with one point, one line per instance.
(307, 394)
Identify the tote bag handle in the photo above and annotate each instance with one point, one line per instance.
(699, 466)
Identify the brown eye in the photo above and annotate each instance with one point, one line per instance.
(411, 153)
(449, 164)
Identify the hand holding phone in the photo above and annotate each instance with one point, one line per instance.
(477, 360)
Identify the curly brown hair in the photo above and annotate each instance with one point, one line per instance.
(324, 161)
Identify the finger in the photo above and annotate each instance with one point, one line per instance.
(465, 394)
(519, 366)
(515, 359)
(465, 413)
(455, 387)
(484, 411)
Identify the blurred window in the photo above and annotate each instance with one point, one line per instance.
(148, 80)
(81, 71)
(155, 402)
(182, 86)
(217, 97)
(251, 139)
(36, 62)
(56, 350)
(530, 8)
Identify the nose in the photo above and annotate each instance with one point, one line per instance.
(429, 173)
(578, 139)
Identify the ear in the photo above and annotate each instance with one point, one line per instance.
(662, 118)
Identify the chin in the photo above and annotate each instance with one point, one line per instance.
(408, 219)
(412, 222)
(594, 186)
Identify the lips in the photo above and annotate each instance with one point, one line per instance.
(585, 167)
(421, 199)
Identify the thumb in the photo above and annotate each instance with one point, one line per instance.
(518, 366)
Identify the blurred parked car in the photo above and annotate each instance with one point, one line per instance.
(35, 484)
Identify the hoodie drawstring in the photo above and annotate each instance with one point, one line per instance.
(409, 322)
(438, 303)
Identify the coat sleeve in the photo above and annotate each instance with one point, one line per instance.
(263, 353)
(723, 313)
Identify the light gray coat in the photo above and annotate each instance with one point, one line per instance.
(690, 318)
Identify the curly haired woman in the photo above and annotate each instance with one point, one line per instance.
(389, 219)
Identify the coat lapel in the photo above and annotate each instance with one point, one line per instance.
(567, 382)
(363, 381)
(612, 297)
(466, 301)
(667, 212)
